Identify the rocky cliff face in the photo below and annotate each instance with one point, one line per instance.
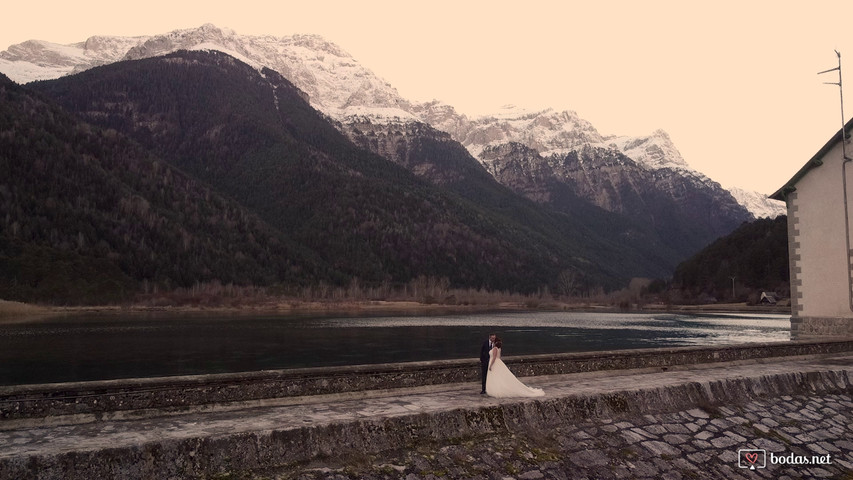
(404, 144)
(607, 178)
(521, 169)
(686, 212)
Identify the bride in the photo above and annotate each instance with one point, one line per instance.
(500, 382)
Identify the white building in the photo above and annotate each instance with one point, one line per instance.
(820, 220)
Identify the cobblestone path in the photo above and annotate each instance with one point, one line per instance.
(778, 434)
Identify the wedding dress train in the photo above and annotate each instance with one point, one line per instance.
(500, 382)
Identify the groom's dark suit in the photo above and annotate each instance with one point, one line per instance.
(484, 362)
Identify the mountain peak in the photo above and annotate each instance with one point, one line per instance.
(186, 39)
(318, 43)
(514, 112)
(547, 131)
(213, 28)
(655, 151)
(660, 133)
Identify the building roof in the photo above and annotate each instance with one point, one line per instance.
(815, 161)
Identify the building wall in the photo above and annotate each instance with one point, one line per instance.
(818, 248)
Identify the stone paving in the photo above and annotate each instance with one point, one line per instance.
(701, 441)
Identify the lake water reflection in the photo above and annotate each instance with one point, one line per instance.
(105, 347)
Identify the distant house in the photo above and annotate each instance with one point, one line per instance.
(820, 223)
(768, 298)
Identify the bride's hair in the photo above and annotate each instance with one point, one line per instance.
(498, 342)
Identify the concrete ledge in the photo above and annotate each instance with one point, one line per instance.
(254, 451)
(85, 398)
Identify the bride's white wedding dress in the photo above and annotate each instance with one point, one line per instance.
(500, 382)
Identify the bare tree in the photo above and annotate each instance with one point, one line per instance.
(567, 282)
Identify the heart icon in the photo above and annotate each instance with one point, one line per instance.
(751, 457)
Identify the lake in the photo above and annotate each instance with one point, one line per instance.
(98, 347)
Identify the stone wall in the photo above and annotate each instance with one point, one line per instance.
(794, 256)
(174, 393)
(815, 327)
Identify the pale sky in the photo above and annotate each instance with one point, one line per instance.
(734, 83)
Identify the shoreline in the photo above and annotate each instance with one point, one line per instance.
(20, 312)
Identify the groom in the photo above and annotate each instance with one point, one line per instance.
(484, 360)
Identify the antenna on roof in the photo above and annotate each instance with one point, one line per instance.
(845, 160)
(844, 136)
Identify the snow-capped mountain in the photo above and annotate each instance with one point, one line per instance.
(553, 133)
(339, 86)
(336, 83)
(657, 151)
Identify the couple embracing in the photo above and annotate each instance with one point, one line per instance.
(498, 381)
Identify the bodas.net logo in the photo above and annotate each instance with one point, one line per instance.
(751, 458)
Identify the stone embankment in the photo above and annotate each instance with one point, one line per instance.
(90, 399)
(801, 437)
(682, 420)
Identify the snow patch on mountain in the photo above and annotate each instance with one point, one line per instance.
(23, 72)
(547, 131)
(39, 60)
(378, 116)
(655, 151)
(759, 204)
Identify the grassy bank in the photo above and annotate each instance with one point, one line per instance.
(18, 310)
